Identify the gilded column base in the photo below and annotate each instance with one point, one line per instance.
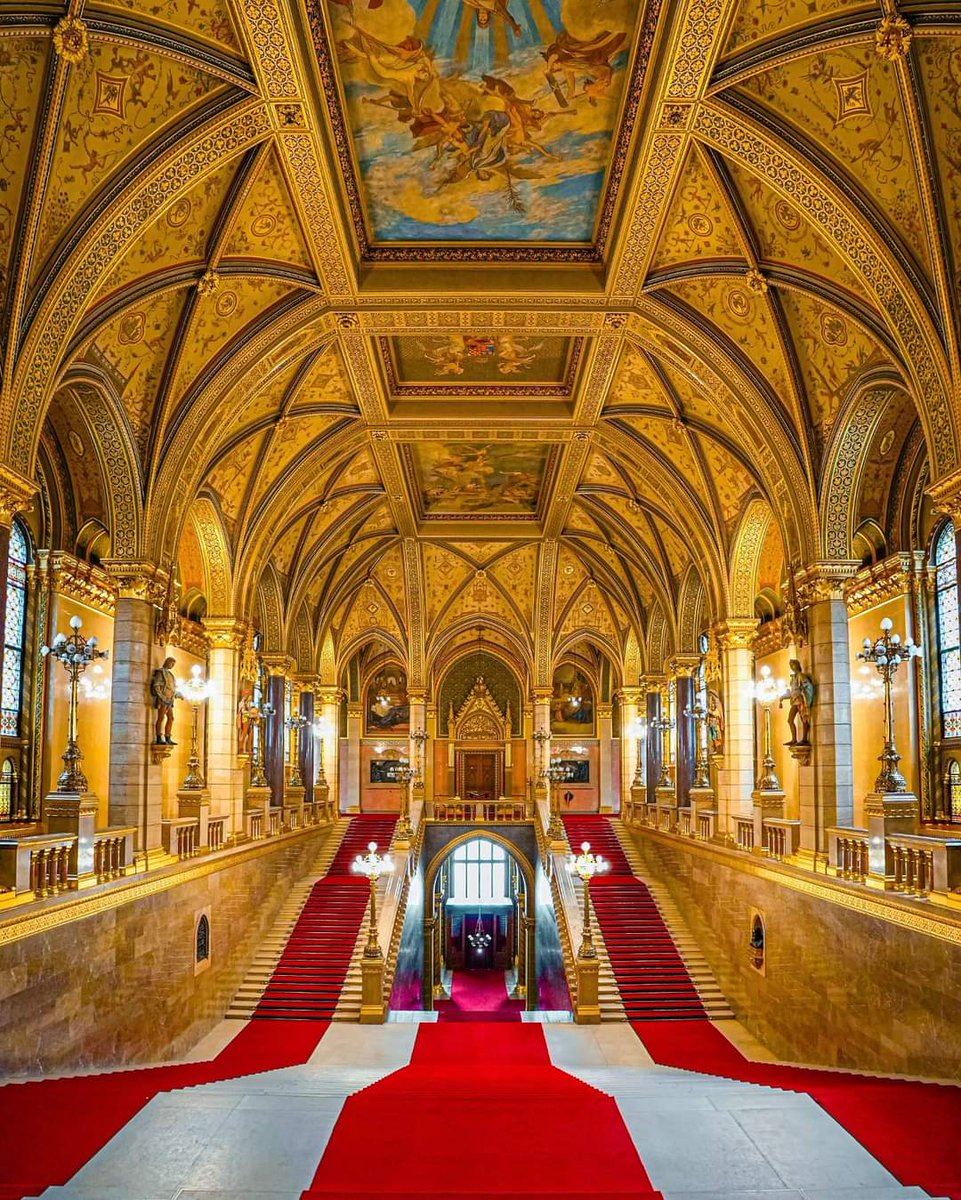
(372, 1008)
(587, 1009)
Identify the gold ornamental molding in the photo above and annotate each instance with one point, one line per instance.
(82, 581)
(771, 637)
(736, 633)
(138, 579)
(190, 636)
(884, 581)
(226, 633)
(16, 494)
(943, 925)
(824, 581)
(277, 665)
(946, 496)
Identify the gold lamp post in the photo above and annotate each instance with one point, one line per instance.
(663, 725)
(767, 691)
(321, 729)
(258, 775)
(196, 690)
(639, 727)
(420, 737)
(887, 653)
(403, 773)
(373, 865)
(586, 865)
(76, 653)
(697, 713)
(296, 724)
(556, 772)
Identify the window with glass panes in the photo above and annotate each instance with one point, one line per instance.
(479, 871)
(14, 629)
(949, 641)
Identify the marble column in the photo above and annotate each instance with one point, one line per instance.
(278, 667)
(328, 700)
(652, 685)
(682, 666)
(607, 801)
(305, 687)
(540, 751)
(225, 775)
(735, 772)
(136, 764)
(351, 784)
(827, 788)
(16, 493)
(632, 747)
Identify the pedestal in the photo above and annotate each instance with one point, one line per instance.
(74, 812)
(887, 814)
(322, 800)
(294, 807)
(638, 798)
(257, 799)
(195, 802)
(587, 1010)
(766, 804)
(702, 801)
(372, 991)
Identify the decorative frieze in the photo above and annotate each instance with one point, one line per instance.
(82, 581)
(884, 581)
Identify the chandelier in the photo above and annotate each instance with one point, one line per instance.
(480, 939)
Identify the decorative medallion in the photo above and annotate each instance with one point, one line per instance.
(70, 39)
(852, 95)
(700, 224)
(834, 331)
(226, 304)
(111, 94)
(132, 327)
(179, 212)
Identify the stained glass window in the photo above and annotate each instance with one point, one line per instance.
(953, 788)
(13, 632)
(8, 784)
(949, 634)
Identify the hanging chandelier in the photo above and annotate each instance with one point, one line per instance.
(479, 939)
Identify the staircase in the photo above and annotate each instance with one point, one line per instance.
(660, 973)
(299, 971)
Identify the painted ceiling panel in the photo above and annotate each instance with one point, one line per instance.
(731, 480)
(444, 572)
(699, 224)
(230, 476)
(22, 66)
(941, 58)
(209, 20)
(267, 225)
(757, 19)
(636, 383)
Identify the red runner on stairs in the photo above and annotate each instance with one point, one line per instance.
(309, 977)
(486, 1088)
(651, 976)
(479, 995)
(51, 1127)
(908, 1127)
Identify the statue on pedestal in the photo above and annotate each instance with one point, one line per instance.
(163, 689)
(715, 722)
(800, 694)
(245, 727)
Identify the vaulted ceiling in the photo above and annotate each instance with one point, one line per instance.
(409, 316)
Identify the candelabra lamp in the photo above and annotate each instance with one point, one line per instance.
(887, 653)
(639, 727)
(697, 713)
(403, 773)
(662, 726)
(258, 776)
(420, 738)
(296, 724)
(555, 773)
(195, 690)
(373, 865)
(76, 653)
(767, 691)
(587, 1009)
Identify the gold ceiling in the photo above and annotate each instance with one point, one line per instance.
(390, 319)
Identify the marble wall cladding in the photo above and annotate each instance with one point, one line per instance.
(119, 987)
(840, 987)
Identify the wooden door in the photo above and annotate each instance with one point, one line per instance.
(480, 775)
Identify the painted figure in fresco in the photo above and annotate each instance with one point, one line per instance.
(800, 694)
(245, 729)
(715, 722)
(163, 690)
(574, 57)
(387, 705)
(486, 9)
(513, 356)
(405, 69)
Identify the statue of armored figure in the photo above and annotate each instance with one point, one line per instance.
(715, 722)
(163, 690)
(800, 694)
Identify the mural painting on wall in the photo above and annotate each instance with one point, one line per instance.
(482, 120)
(572, 705)
(474, 477)
(388, 709)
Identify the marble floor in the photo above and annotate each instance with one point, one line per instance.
(260, 1137)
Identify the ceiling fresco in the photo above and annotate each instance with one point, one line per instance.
(480, 479)
(480, 364)
(479, 121)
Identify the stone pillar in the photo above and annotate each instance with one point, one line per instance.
(327, 707)
(305, 687)
(827, 786)
(225, 774)
(652, 686)
(607, 801)
(136, 764)
(277, 666)
(682, 666)
(350, 786)
(735, 772)
(16, 494)
(632, 749)
(540, 750)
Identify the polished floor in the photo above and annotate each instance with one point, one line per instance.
(261, 1137)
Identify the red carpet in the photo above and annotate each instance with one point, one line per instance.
(911, 1128)
(651, 976)
(308, 979)
(479, 996)
(50, 1128)
(538, 1132)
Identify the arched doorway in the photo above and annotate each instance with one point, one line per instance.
(479, 920)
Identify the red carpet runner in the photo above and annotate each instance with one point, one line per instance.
(651, 978)
(479, 996)
(908, 1127)
(50, 1128)
(480, 1111)
(308, 979)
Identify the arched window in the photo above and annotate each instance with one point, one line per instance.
(8, 790)
(949, 635)
(952, 790)
(203, 939)
(14, 630)
(479, 871)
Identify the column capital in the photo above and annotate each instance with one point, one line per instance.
(307, 681)
(631, 695)
(605, 712)
(327, 693)
(16, 494)
(946, 496)
(138, 579)
(417, 695)
(820, 581)
(277, 664)
(542, 694)
(683, 664)
(81, 581)
(736, 633)
(225, 633)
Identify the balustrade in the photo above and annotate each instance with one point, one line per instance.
(913, 867)
(112, 853)
(181, 836)
(504, 811)
(706, 824)
(781, 837)
(848, 853)
(38, 862)
(216, 828)
(744, 833)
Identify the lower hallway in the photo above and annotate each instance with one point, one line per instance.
(298, 1110)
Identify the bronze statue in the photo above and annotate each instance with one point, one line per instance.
(800, 693)
(715, 722)
(163, 689)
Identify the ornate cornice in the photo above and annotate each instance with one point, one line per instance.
(138, 579)
(278, 664)
(190, 636)
(771, 636)
(16, 494)
(823, 581)
(883, 581)
(82, 581)
(226, 633)
(946, 495)
(737, 633)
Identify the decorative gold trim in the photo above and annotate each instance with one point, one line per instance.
(82, 582)
(883, 581)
